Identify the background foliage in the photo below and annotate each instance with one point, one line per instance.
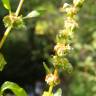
(27, 48)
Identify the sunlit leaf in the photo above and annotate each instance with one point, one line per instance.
(6, 4)
(32, 14)
(2, 62)
(16, 89)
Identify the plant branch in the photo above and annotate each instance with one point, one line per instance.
(19, 7)
(5, 36)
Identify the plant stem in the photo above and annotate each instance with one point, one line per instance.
(5, 36)
(50, 89)
(19, 7)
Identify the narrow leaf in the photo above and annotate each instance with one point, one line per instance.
(16, 89)
(2, 62)
(46, 68)
(6, 4)
(32, 14)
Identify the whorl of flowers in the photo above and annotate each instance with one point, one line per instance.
(64, 41)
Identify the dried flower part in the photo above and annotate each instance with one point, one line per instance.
(62, 63)
(49, 78)
(66, 5)
(62, 49)
(71, 11)
(64, 37)
(52, 79)
(70, 24)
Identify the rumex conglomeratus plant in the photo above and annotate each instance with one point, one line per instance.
(63, 47)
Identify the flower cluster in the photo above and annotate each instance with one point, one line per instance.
(64, 40)
(13, 20)
(63, 45)
(52, 79)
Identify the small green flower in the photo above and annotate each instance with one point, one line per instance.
(13, 20)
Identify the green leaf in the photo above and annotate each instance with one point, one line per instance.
(2, 62)
(6, 4)
(58, 93)
(32, 14)
(16, 89)
(46, 68)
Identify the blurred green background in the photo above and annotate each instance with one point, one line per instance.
(26, 49)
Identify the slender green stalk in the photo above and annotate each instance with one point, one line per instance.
(19, 7)
(9, 11)
(5, 36)
(50, 89)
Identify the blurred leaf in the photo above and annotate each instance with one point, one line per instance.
(2, 62)
(17, 90)
(41, 10)
(58, 92)
(32, 14)
(6, 4)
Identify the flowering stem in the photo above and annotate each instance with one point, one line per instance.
(19, 7)
(63, 43)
